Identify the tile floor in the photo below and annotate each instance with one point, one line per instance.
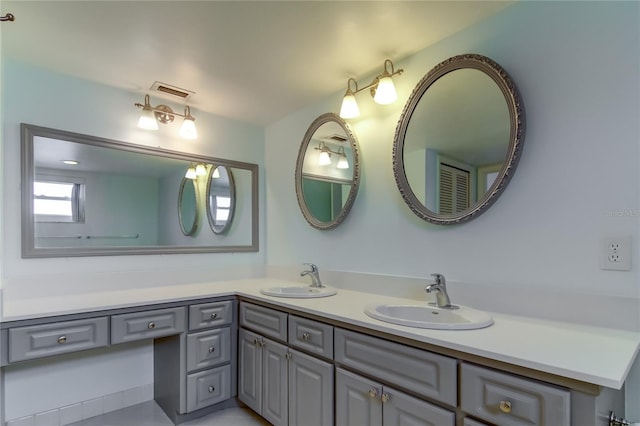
(149, 414)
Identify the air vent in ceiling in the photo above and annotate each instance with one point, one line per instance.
(172, 90)
(335, 138)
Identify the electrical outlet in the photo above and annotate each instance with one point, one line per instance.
(615, 254)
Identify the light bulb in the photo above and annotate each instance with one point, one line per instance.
(191, 173)
(188, 129)
(349, 107)
(343, 163)
(201, 170)
(386, 91)
(324, 159)
(147, 119)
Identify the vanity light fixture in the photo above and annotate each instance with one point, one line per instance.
(381, 88)
(325, 156)
(201, 170)
(191, 173)
(151, 116)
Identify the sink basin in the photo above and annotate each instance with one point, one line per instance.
(299, 292)
(430, 316)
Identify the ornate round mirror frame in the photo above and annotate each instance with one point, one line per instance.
(217, 229)
(315, 125)
(196, 218)
(514, 150)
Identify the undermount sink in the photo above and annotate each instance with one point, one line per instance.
(430, 316)
(299, 292)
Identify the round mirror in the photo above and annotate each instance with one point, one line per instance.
(221, 198)
(458, 140)
(327, 172)
(188, 207)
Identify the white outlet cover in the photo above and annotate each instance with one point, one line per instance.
(615, 253)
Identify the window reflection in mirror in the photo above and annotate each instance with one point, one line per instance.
(129, 194)
(221, 198)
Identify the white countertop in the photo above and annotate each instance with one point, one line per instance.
(600, 356)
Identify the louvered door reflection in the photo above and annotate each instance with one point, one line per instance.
(453, 189)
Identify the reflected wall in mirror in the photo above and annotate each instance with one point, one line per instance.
(458, 140)
(221, 198)
(188, 216)
(327, 172)
(120, 198)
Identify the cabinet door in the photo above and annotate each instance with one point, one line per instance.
(310, 390)
(250, 370)
(274, 383)
(400, 409)
(357, 400)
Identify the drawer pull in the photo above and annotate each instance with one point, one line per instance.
(211, 389)
(385, 397)
(306, 337)
(212, 349)
(214, 316)
(151, 325)
(373, 393)
(62, 339)
(505, 406)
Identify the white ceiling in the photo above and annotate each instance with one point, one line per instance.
(254, 61)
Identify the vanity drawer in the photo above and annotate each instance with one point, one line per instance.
(312, 336)
(423, 372)
(213, 314)
(511, 400)
(38, 341)
(208, 387)
(146, 325)
(265, 321)
(208, 348)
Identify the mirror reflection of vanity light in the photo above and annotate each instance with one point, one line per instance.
(343, 163)
(191, 173)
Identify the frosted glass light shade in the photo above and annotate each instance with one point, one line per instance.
(191, 173)
(349, 108)
(385, 92)
(324, 159)
(147, 120)
(343, 163)
(201, 170)
(188, 129)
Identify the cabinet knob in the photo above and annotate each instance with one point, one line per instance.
(505, 406)
(62, 339)
(385, 397)
(288, 355)
(151, 325)
(211, 389)
(212, 349)
(214, 315)
(373, 393)
(306, 337)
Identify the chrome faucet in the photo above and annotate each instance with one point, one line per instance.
(439, 287)
(314, 274)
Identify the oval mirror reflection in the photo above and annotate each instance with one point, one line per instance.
(458, 140)
(327, 172)
(188, 206)
(221, 198)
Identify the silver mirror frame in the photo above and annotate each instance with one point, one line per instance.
(353, 143)
(514, 150)
(29, 250)
(185, 228)
(215, 228)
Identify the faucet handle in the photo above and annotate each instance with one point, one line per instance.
(313, 267)
(439, 279)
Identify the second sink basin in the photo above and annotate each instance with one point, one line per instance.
(429, 316)
(299, 292)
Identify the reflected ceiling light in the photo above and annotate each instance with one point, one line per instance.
(71, 162)
(381, 88)
(216, 173)
(201, 170)
(343, 163)
(325, 155)
(191, 173)
(151, 116)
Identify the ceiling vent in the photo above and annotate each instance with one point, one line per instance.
(172, 90)
(335, 138)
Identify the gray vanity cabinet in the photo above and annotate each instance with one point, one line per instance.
(362, 401)
(281, 383)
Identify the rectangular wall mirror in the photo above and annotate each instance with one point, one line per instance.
(90, 196)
